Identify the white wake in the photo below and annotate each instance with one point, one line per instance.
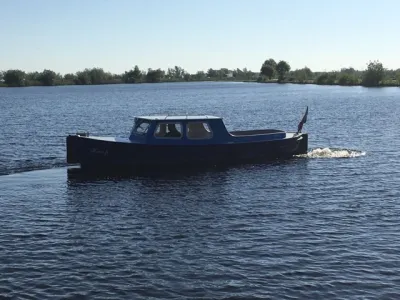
(332, 153)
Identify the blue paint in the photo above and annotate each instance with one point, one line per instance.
(220, 135)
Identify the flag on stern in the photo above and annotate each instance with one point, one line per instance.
(303, 121)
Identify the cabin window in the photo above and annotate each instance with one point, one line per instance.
(141, 127)
(199, 130)
(168, 130)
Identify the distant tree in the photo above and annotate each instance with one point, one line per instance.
(179, 72)
(302, 75)
(83, 78)
(237, 73)
(348, 70)
(307, 71)
(200, 75)
(249, 74)
(282, 68)
(153, 76)
(347, 79)
(32, 79)
(267, 71)
(97, 75)
(271, 62)
(47, 77)
(322, 79)
(374, 74)
(69, 78)
(94, 76)
(14, 78)
(326, 79)
(222, 73)
(1, 75)
(390, 75)
(268, 68)
(212, 73)
(170, 73)
(144, 74)
(132, 76)
(137, 74)
(398, 77)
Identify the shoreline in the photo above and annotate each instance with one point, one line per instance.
(312, 82)
(375, 75)
(309, 82)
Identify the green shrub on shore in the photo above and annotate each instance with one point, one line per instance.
(375, 75)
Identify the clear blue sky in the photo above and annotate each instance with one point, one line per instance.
(67, 36)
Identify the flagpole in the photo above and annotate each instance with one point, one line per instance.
(302, 122)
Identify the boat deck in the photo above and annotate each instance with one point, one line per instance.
(233, 133)
(111, 139)
(255, 132)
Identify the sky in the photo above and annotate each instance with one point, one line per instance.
(68, 36)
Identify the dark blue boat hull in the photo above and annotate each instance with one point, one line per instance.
(100, 154)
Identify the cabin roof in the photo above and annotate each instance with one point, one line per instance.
(179, 118)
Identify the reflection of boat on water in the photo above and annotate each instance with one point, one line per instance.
(183, 141)
(76, 174)
(182, 174)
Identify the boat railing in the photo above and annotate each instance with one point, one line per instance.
(254, 132)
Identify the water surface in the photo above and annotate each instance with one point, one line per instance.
(322, 226)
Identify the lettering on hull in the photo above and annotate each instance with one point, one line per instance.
(99, 151)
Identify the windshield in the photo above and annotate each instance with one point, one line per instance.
(141, 127)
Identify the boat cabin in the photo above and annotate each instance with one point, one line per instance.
(191, 130)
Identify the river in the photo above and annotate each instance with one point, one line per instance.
(322, 226)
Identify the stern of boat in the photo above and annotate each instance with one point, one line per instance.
(302, 147)
(73, 147)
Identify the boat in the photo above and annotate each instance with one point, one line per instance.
(172, 141)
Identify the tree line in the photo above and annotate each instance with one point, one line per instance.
(270, 71)
(19, 78)
(374, 75)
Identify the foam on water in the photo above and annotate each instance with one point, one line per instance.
(332, 153)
